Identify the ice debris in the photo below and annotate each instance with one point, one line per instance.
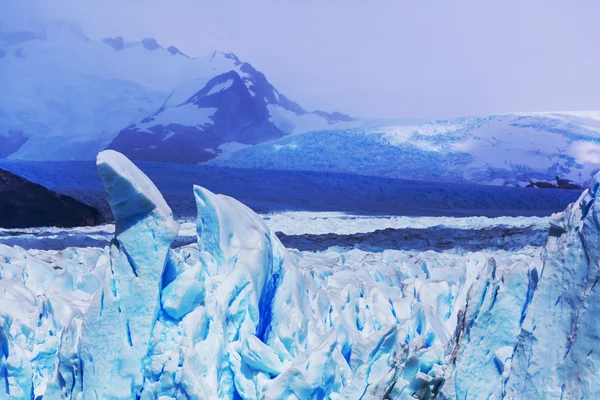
(237, 315)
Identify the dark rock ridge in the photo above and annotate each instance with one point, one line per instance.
(118, 43)
(174, 50)
(334, 116)
(557, 183)
(25, 204)
(151, 44)
(231, 107)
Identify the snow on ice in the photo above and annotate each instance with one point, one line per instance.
(237, 315)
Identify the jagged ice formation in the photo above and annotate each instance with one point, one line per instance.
(237, 315)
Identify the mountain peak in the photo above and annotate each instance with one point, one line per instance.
(117, 43)
(229, 56)
(218, 84)
(151, 44)
(175, 51)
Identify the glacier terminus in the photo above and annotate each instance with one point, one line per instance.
(236, 315)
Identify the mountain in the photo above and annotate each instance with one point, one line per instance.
(25, 204)
(202, 119)
(526, 149)
(66, 97)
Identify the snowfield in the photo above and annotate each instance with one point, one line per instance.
(235, 314)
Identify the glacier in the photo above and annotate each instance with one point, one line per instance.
(237, 315)
(519, 149)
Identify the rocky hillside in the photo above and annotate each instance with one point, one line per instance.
(26, 204)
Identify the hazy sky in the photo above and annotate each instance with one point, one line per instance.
(375, 58)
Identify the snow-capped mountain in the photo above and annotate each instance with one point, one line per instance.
(66, 97)
(202, 119)
(524, 149)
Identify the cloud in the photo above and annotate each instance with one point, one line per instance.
(19, 15)
(585, 152)
(383, 59)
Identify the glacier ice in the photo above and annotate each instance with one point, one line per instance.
(117, 327)
(563, 362)
(515, 149)
(237, 315)
(537, 324)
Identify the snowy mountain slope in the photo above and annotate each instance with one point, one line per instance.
(66, 97)
(225, 110)
(202, 119)
(511, 149)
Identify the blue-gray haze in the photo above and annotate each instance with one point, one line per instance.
(380, 58)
